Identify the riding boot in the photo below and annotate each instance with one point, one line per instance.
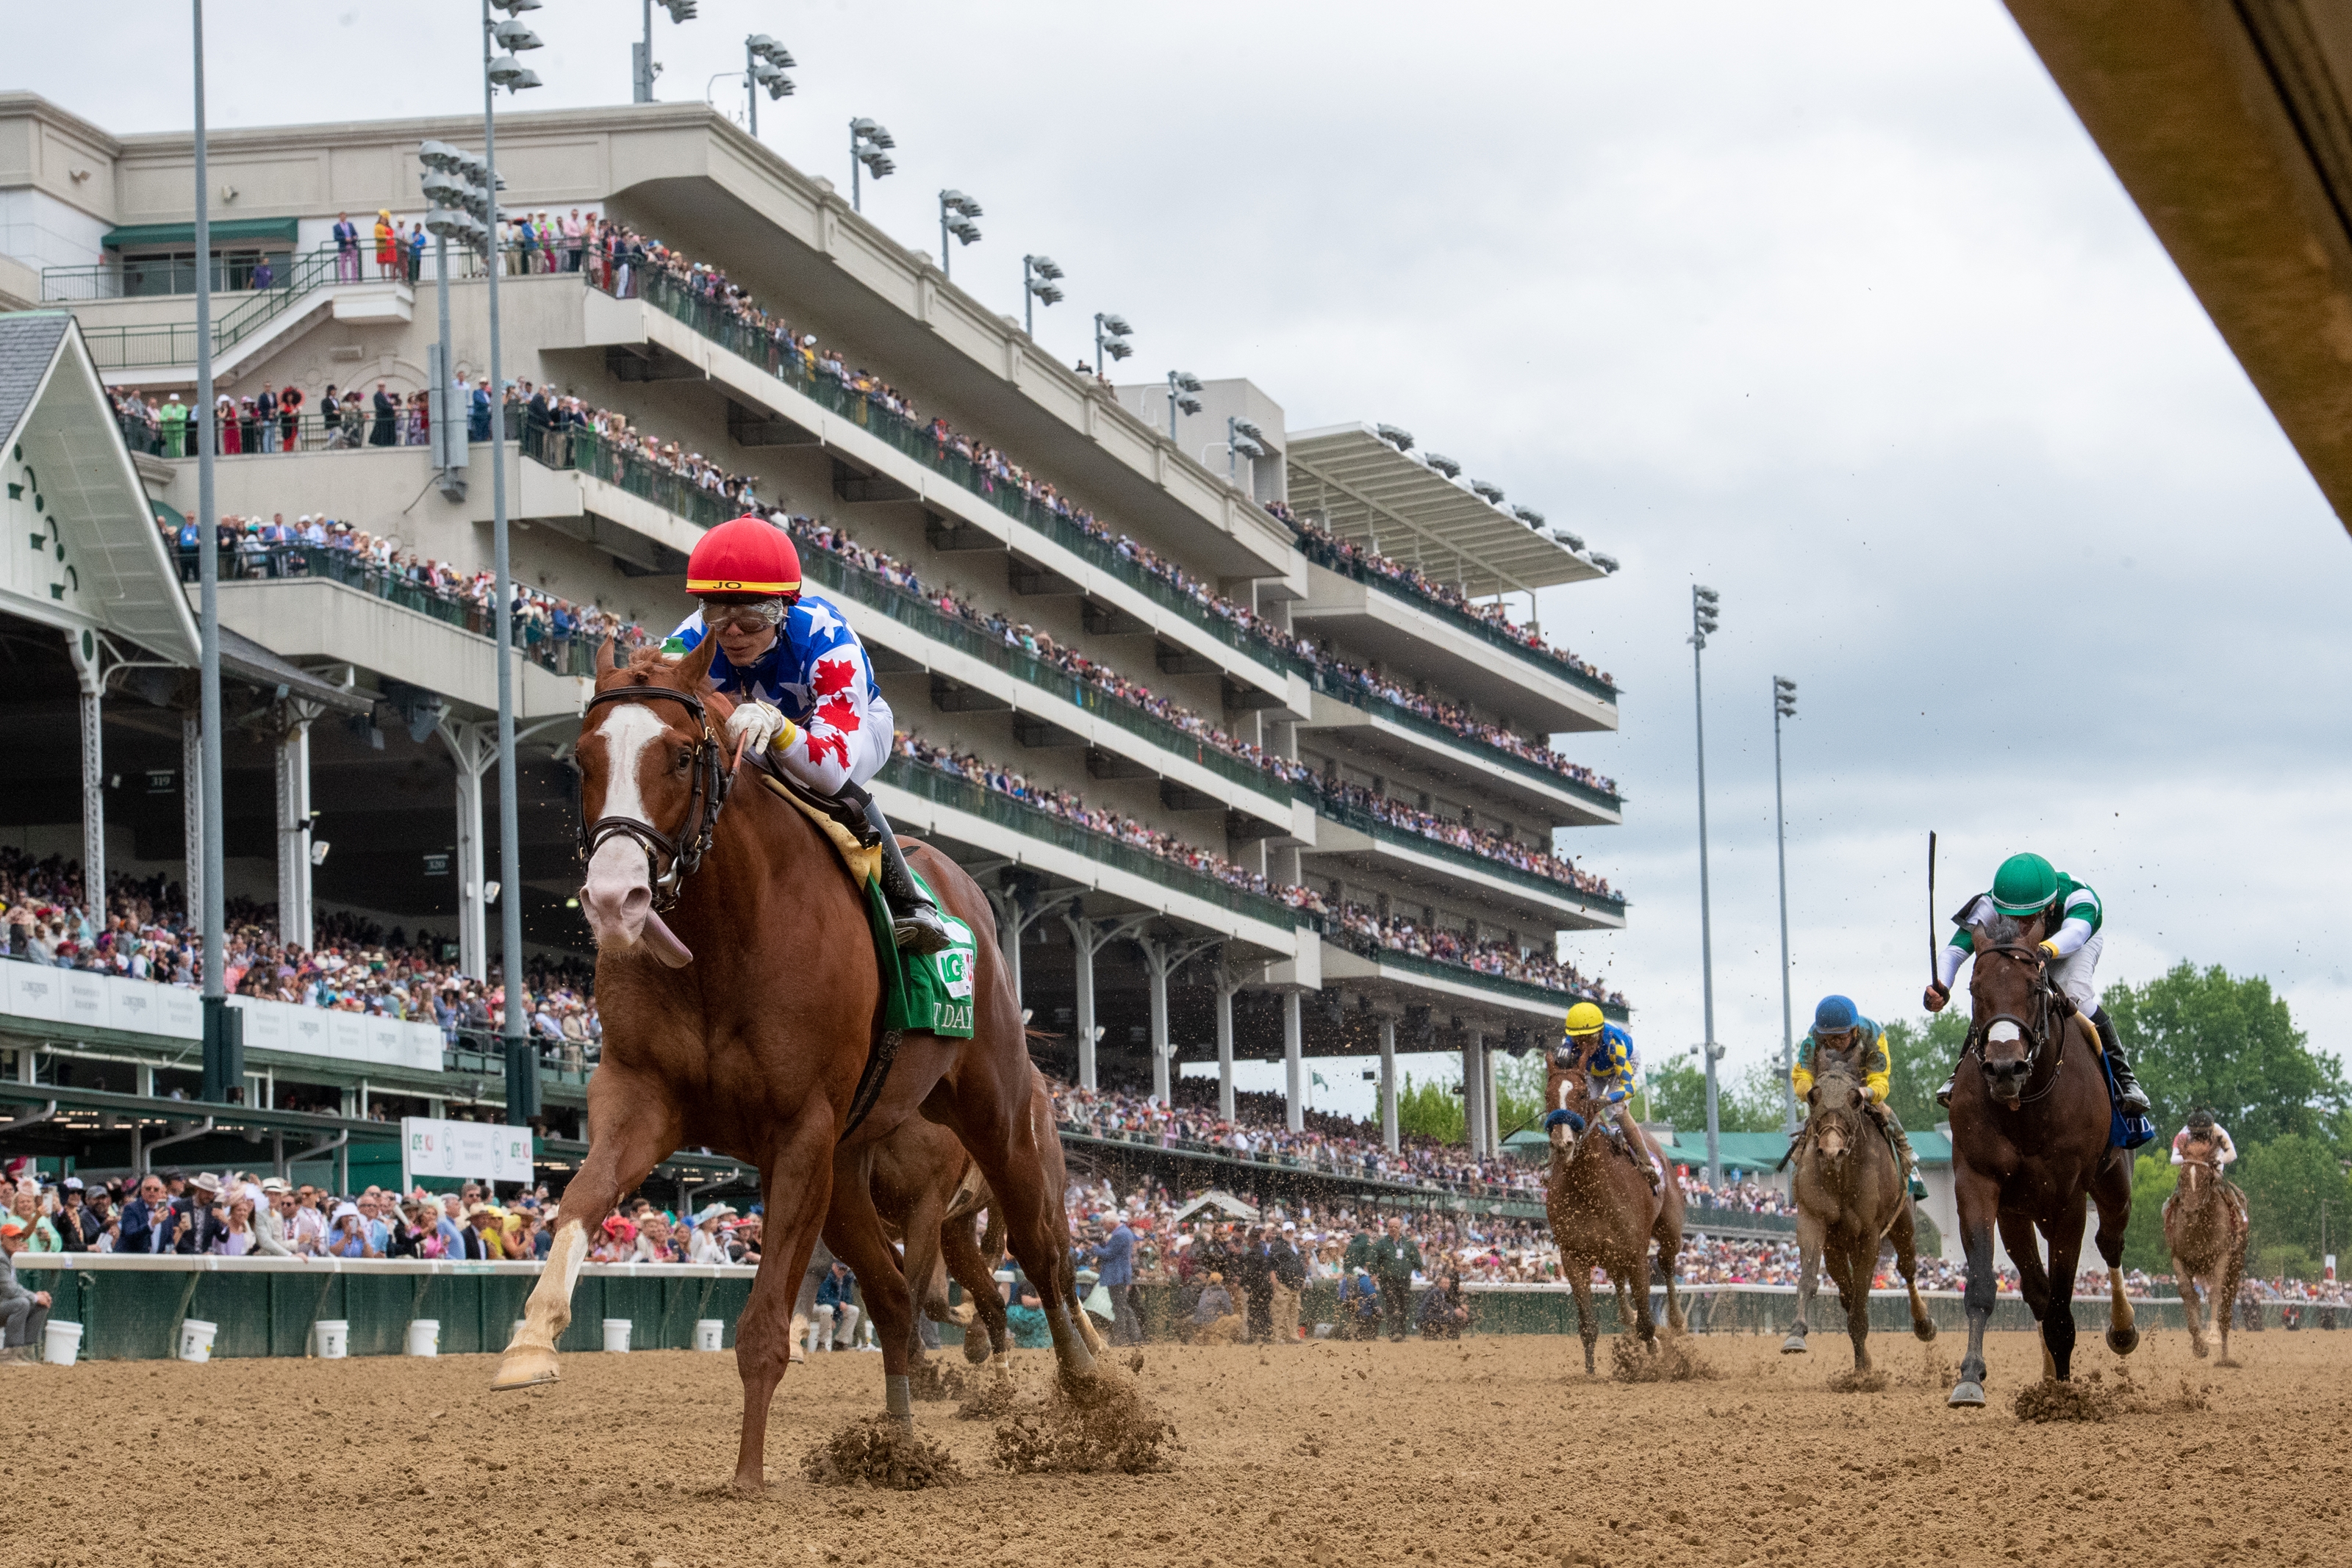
(1944, 1096)
(915, 923)
(2133, 1098)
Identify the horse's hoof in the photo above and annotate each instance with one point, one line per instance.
(2123, 1341)
(749, 1486)
(1923, 1330)
(1793, 1345)
(2197, 1348)
(1967, 1393)
(962, 1313)
(524, 1366)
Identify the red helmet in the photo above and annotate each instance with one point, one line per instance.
(748, 554)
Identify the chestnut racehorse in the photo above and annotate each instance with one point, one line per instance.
(1604, 1213)
(1851, 1197)
(736, 977)
(2205, 1232)
(2029, 1145)
(930, 1193)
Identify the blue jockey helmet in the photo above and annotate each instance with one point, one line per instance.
(1834, 1013)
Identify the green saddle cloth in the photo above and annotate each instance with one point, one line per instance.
(928, 991)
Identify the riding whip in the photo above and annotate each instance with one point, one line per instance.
(1931, 906)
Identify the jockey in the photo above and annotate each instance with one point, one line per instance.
(2203, 1129)
(2072, 917)
(1841, 1034)
(1605, 1051)
(805, 693)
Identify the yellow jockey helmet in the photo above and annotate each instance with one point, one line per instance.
(1585, 1018)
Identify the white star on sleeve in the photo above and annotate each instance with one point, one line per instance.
(822, 621)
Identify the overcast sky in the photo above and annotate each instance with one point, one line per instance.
(1834, 308)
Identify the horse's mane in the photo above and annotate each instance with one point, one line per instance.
(649, 667)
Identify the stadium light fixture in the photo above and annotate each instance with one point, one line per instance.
(958, 214)
(644, 67)
(1111, 333)
(1243, 439)
(1182, 385)
(1040, 277)
(1784, 706)
(1705, 605)
(869, 147)
(765, 61)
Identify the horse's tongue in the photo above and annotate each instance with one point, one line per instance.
(664, 942)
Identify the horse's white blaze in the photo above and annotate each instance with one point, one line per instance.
(618, 867)
(2004, 1030)
(1561, 1097)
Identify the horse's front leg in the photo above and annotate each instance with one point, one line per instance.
(632, 1127)
(1907, 1258)
(2066, 1256)
(1588, 1327)
(1978, 1198)
(2191, 1307)
(1810, 1234)
(797, 1183)
(2111, 1191)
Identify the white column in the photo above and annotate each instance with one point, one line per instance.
(1294, 1063)
(474, 748)
(1226, 989)
(93, 777)
(1493, 1101)
(1008, 938)
(1082, 958)
(294, 921)
(1388, 1085)
(1474, 1082)
(1156, 965)
(192, 809)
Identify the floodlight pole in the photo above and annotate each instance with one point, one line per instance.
(751, 82)
(1028, 299)
(224, 1068)
(521, 1061)
(946, 267)
(643, 85)
(1100, 369)
(1780, 842)
(1705, 923)
(856, 193)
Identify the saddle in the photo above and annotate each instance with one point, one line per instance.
(844, 827)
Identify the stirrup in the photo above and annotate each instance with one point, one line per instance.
(919, 929)
(1944, 1096)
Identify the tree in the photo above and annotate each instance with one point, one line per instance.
(2289, 1183)
(1430, 1110)
(1920, 1055)
(2205, 1038)
(2153, 1178)
(1675, 1093)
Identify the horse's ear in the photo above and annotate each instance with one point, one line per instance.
(695, 668)
(604, 656)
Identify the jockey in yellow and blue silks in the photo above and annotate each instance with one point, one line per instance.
(1606, 1052)
(1842, 1035)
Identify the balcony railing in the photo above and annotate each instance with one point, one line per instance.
(563, 655)
(174, 343)
(963, 795)
(1505, 985)
(1348, 692)
(1469, 860)
(1549, 662)
(915, 440)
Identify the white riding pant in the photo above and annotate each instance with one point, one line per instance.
(2077, 973)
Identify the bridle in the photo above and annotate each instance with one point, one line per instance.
(2047, 1008)
(685, 848)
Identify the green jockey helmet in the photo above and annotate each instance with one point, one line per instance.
(2024, 885)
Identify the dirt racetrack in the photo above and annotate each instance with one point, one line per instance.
(1497, 1449)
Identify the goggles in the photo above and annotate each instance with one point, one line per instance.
(759, 616)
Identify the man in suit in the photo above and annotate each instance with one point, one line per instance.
(1395, 1261)
(151, 1223)
(1114, 1257)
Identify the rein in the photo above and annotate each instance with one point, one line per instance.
(684, 848)
(2036, 1033)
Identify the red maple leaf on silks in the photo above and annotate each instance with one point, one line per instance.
(840, 713)
(818, 745)
(833, 676)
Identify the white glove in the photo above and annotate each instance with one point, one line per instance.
(762, 724)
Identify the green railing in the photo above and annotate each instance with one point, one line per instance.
(963, 795)
(1479, 1197)
(1524, 990)
(581, 447)
(1346, 691)
(568, 656)
(1470, 860)
(916, 441)
(175, 343)
(1550, 663)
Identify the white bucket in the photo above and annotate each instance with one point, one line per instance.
(60, 1344)
(616, 1335)
(196, 1339)
(709, 1334)
(330, 1338)
(424, 1336)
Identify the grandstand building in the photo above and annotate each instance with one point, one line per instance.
(1243, 749)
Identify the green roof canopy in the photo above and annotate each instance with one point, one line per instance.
(141, 235)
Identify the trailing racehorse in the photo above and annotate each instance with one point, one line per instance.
(2029, 1145)
(1604, 1210)
(2205, 1232)
(930, 1193)
(742, 1007)
(1851, 1197)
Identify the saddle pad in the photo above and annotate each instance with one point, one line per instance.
(2123, 1131)
(929, 991)
(864, 860)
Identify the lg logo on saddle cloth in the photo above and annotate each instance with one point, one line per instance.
(954, 967)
